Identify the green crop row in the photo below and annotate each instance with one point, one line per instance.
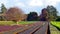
(56, 23)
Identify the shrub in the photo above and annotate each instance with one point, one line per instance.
(58, 19)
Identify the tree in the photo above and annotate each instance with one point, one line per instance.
(44, 15)
(14, 14)
(25, 17)
(3, 8)
(58, 18)
(32, 16)
(52, 11)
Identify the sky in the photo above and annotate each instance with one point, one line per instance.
(31, 5)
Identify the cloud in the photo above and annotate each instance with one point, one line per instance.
(20, 4)
(30, 3)
(12, 3)
(4, 2)
(36, 3)
(51, 2)
(42, 3)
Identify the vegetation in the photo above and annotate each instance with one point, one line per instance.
(54, 30)
(56, 23)
(6, 22)
(14, 14)
(3, 10)
(44, 15)
(58, 19)
(52, 11)
(11, 22)
(26, 22)
(32, 16)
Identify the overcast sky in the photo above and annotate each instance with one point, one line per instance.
(31, 5)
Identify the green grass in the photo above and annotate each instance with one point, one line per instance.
(11, 22)
(56, 23)
(26, 22)
(55, 32)
(53, 29)
(7, 22)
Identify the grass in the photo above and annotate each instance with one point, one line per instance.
(7, 22)
(26, 22)
(56, 23)
(55, 32)
(53, 29)
(11, 22)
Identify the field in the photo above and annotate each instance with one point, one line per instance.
(26, 22)
(7, 22)
(53, 29)
(56, 23)
(10, 25)
(11, 22)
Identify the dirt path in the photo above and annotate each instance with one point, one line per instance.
(35, 28)
(39, 28)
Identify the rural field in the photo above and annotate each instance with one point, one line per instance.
(7, 22)
(56, 23)
(53, 29)
(11, 22)
(10, 25)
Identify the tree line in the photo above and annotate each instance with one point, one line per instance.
(16, 14)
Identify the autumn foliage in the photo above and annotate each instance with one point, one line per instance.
(14, 14)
